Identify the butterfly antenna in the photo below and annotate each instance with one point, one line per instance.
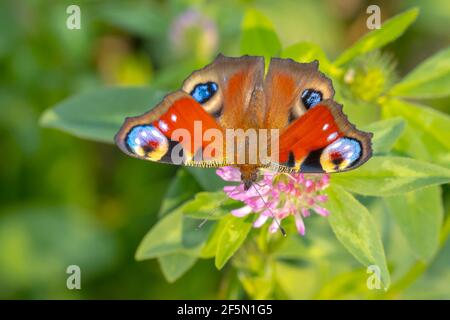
(212, 211)
(283, 232)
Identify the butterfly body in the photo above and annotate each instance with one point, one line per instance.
(232, 113)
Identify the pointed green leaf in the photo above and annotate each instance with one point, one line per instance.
(430, 79)
(98, 115)
(427, 134)
(233, 234)
(419, 215)
(173, 266)
(389, 31)
(307, 52)
(182, 188)
(258, 35)
(163, 238)
(210, 247)
(387, 176)
(174, 233)
(385, 134)
(356, 230)
(209, 205)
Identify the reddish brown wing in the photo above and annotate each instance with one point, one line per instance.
(315, 135)
(215, 97)
(323, 140)
(173, 132)
(291, 89)
(235, 80)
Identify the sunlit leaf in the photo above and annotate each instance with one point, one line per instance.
(257, 287)
(174, 233)
(389, 31)
(209, 205)
(307, 52)
(419, 215)
(258, 36)
(385, 134)
(98, 115)
(427, 134)
(431, 79)
(387, 176)
(163, 238)
(356, 230)
(297, 282)
(210, 247)
(233, 234)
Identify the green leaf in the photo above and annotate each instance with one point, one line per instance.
(257, 287)
(210, 247)
(307, 52)
(173, 266)
(174, 233)
(163, 238)
(355, 229)
(182, 188)
(258, 36)
(385, 134)
(98, 115)
(387, 176)
(419, 215)
(427, 134)
(207, 178)
(389, 31)
(431, 79)
(209, 205)
(233, 234)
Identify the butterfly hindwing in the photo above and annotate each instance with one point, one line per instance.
(323, 140)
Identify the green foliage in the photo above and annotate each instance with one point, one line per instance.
(385, 134)
(426, 134)
(431, 79)
(98, 114)
(388, 175)
(389, 31)
(419, 215)
(356, 230)
(307, 52)
(232, 236)
(395, 203)
(258, 36)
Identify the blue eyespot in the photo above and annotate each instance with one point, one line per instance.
(311, 97)
(341, 154)
(204, 91)
(147, 141)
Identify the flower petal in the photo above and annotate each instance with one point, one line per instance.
(241, 212)
(322, 211)
(260, 221)
(229, 174)
(273, 227)
(305, 212)
(299, 224)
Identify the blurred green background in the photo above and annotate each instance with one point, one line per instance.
(70, 201)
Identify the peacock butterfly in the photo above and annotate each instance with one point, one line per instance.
(232, 113)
